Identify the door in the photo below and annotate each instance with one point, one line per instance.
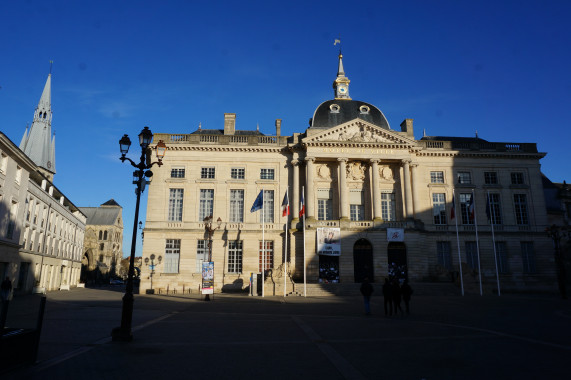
(396, 255)
(363, 260)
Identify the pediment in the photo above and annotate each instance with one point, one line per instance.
(358, 131)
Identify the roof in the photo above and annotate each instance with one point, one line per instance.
(221, 132)
(334, 112)
(550, 193)
(101, 215)
(111, 202)
(453, 138)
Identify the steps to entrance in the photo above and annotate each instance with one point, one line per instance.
(420, 289)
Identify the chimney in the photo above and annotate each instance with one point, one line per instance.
(406, 126)
(229, 123)
(278, 127)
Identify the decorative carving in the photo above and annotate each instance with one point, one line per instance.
(324, 172)
(358, 134)
(356, 171)
(386, 174)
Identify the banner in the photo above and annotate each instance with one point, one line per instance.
(329, 241)
(395, 234)
(208, 277)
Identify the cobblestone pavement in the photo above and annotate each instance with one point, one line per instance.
(239, 337)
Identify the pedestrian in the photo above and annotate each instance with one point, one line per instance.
(396, 293)
(388, 296)
(6, 289)
(406, 291)
(367, 290)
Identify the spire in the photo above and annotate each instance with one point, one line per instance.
(340, 71)
(37, 142)
(341, 83)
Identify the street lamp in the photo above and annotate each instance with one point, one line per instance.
(123, 333)
(210, 231)
(152, 268)
(556, 233)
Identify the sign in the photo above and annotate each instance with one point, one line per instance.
(395, 234)
(208, 277)
(329, 241)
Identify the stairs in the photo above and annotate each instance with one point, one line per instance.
(352, 289)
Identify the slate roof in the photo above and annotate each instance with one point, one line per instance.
(98, 216)
(325, 118)
(111, 202)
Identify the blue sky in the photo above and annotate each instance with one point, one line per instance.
(501, 68)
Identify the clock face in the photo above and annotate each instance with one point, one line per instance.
(342, 89)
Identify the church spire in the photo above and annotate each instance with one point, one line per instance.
(341, 83)
(37, 142)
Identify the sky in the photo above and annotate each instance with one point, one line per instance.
(500, 69)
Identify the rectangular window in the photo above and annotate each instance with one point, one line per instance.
(237, 173)
(356, 205)
(520, 206)
(172, 256)
(236, 206)
(267, 174)
(201, 254)
(3, 162)
(235, 256)
(18, 175)
(465, 208)
(269, 255)
(177, 172)
(517, 178)
(495, 208)
(443, 252)
(439, 208)
(502, 257)
(207, 173)
(388, 206)
(206, 207)
(175, 205)
(528, 257)
(490, 178)
(324, 204)
(464, 178)
(436, 177)
(472, 255)
(268, 210)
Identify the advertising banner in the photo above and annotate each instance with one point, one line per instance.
(329, 241)
(395, 234)
(208, 277)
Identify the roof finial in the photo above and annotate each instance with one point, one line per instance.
(257, 127)
(477, 133)
(51, 64)
(423, 132)
(199, 126)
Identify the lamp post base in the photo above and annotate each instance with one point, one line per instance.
(207, 297)
(118, 334)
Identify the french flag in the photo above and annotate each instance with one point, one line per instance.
(471, 207)
(301, 206)
(453, 209)
(285, 205)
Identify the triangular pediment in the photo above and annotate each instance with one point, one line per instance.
(358, 131)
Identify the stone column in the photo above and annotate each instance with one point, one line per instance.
(309, 191)
(377, 215)
(295, 200)
(343, 192)
(407, 189)
(415, 190)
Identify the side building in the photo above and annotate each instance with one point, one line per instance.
(376, 202)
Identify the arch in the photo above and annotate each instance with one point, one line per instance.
(363, 260)
(397, 261)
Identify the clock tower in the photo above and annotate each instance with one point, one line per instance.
(341, 83)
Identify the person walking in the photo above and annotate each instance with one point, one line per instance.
(6, 289)
(367, 291)
(406, 291)
(396, 294)
(388, 297)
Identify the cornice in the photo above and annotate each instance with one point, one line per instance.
(509, 155)
(229, 148)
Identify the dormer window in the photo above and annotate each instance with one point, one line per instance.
(364, 109)
(334, 108)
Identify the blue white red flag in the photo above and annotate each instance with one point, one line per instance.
(285, 205)
(301, 206)
(258, 203)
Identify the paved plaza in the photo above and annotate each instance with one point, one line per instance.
(241, 337)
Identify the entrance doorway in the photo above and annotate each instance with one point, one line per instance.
(396, 256)
(328, 269)
(363, 260)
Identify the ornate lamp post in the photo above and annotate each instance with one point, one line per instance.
(556, 233)
(152, 267)
(123, 333)
(210, 231)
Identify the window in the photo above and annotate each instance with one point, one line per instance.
(268, 209)
(3, 162)
(172, 256)
(236, 206)
(175, 205)
(235, 256)
(443, 252)
(517, 178)
(388, 206)
(12, 221)
(528, 257)
(206, 203)
(324, 204)
(201, 254)
(490, 178)
(269, 255)
(105, 235)
(465, 208)
(100, 235)
(237, 173)
(439, 208)
(177, 172)
(18, 175)
(464, 178)
(502, 257)
(472, 254)
(101, 246)
(520, 206)
(356, 205)
(207, 173)
(267, 174)
(436, 177)
(495, 208)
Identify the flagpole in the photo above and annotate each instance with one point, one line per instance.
(285, 234)
(304, 263)
(477, 243)
(263, 248)
(458, 240)
(492, 221)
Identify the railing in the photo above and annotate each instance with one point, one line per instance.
(480, 145)
(209, 138)
(220, 139)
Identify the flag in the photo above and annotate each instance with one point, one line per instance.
(488, 208)
(453, 209)
(285, 205)
(471, 207)
(259, 202)
(301, 206)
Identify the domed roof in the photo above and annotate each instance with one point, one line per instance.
(338, 111)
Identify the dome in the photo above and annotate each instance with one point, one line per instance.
(338, 111)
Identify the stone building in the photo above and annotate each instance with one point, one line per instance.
(41, 231)
(377, 203)
(103, 244)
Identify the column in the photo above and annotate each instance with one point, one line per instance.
(309, 191)
(407, 189)
(415, 190)
(343, 193)
(377, 215)
(295, 199)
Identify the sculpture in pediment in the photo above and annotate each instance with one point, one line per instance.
(356, 171)
(356, 134)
